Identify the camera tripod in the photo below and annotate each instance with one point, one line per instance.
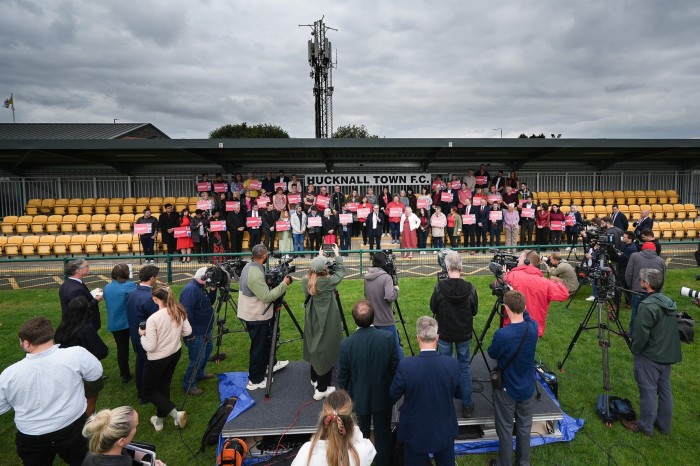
(342, 314)
(275, 342)
(397, 310)
(498, 308)
(224, 300)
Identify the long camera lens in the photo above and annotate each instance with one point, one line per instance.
(685, 291)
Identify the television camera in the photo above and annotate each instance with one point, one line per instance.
(221, 275)
(275, 275)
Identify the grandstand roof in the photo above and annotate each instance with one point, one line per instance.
(126, 155)
(57, 131)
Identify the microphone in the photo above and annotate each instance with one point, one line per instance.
(496, 268)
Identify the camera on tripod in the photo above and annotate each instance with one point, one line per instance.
(389, 265)
(222, 275)
(500, 286)
(276, 274)
(509, 261)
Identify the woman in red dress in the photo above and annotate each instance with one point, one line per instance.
(185, 243)
(409, 240)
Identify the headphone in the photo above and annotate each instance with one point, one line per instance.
(527, 258)
(233, 452)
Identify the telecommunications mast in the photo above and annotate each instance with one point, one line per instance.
(321, 62)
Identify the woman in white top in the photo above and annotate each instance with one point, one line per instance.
(337, 441)
(407, 226)
(161, 340)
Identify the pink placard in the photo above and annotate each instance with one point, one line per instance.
(521, 202)
(528, 212)
(230, 205)
(491, 198)
(323, 201)
(468, 219)
(556, 225)
(254, 185)
(345, 219)
(220, 187)
(456, 184)
(143, 228)
(352, 206)
(182, 232)
(253, 222)
(480, 180)
(422, 204)
(438, 185)
(294, 198)
(495, 215)
(476, 200)
(446, 197)
(314, 221)
(362, 213)
(395, 212)
(281, 225)
(217, 225)
(204, 205)
(281, 185)
(203, 186)
(262, 202)
(438, 222)
(569, 221)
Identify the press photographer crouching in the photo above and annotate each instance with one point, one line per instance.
(562, 272)
(455, 303)
(255, 300)
(381, 292)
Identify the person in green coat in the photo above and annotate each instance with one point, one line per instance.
(322, 326)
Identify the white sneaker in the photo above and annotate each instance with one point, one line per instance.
(321, 395)
(590, 298)
(156, 424)
(313, 384)
(567, 249)
(434, 252)
(279, 365)
(254, 386)
(181, 419)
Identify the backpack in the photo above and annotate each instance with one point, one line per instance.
(216, 423)
(686, 326)
(619, 409)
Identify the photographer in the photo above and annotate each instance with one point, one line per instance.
(323, 331)
(514, 348)
(644, 259)
(539, 291)
(197, 301)
(380, 291)
(255, 300)
(454, 303)
(561, 271)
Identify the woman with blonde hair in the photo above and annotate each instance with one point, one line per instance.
(161, 340)
(108, 433)
(338, 440)
(322, 328)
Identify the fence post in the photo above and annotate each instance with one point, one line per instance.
(362, 255)
(128, 186)
(94, 187)
(169, 266)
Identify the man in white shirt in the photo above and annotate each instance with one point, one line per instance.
(45, 389)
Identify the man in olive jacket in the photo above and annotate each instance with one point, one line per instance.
(656, 346)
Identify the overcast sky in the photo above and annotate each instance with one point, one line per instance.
(410, 68)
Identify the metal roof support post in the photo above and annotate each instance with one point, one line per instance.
(59, 187)
(128, 186)
(162, 186)
(24, 191)
(94, 187)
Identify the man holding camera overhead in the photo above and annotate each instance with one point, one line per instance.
(381, 292)
(255, 310)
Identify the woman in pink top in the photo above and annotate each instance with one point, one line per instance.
(161, 340)
(556, 215)
(393, 207)
(542, 223)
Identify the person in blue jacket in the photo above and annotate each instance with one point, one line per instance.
(115, 295)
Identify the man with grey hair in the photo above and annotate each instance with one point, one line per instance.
(644, 259)
(428, 382)
(255, 310)
(73, 286)
(655, 346)
(454, 304)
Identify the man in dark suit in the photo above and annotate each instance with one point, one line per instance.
(366, 367)
(254, 232)
(527, 224)
(619, 219)
(374, 223)
(644, 223)
(482, 222)
(73, 287)
(428, 383)
(168, 221)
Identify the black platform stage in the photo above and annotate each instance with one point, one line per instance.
(292, 397)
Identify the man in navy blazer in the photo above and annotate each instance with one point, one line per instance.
(73, 287)
(619, 219)
(644, 223)
(428, 383)
(482, 222)
(366, 367)
(374, 223)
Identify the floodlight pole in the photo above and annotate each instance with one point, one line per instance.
(321, 62)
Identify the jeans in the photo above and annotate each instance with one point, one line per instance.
(465, 373)
(147, 244)
(298, 239)
(655, 397)
(422, 238)
(395, 231)
(345, 240)
(121, 338)
(395, 332)
(438, 242)
(199, 348)
(495, 235)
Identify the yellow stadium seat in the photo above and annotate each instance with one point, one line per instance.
(125, 222)
(679, 209)
(115, 205)
(586, 198)
(588, 212)
(630, 197)
(565, 209)
(663, 197)
(32, 207)
(8, 224)
(634, 212)
(665, 229)
(88, 206)
(45, 245)
(47, 206)
(38, 223)
(678, 230)
(13, 245)
(82, 223)
(169, 200)
(123, 243)
(619, 197)
(101, 205)
(624, 208)
(181, 203)
(29, 245)
(641, 196)
(128, 205)
(565, 197)
(609, 197)
(652, 197)
(53, 223)
(156, 204)
(107, 244)
(92, 244)
(669, 213)
(598, 198)
(554, 197)
(60, 246)
(657, 211)
(672, 196)
(3, 242)
(60, 206)
(74, 205)
(575, 197)
(600, 211)
(193, 199)
(691, 232)
(97, 222)
(112, 222)
(141, 203)
(691, 211)
(68, 223)
(76, 244)
(696, 222)
(23, 223)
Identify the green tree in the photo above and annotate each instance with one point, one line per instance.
(242, 130)
(353, 131)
